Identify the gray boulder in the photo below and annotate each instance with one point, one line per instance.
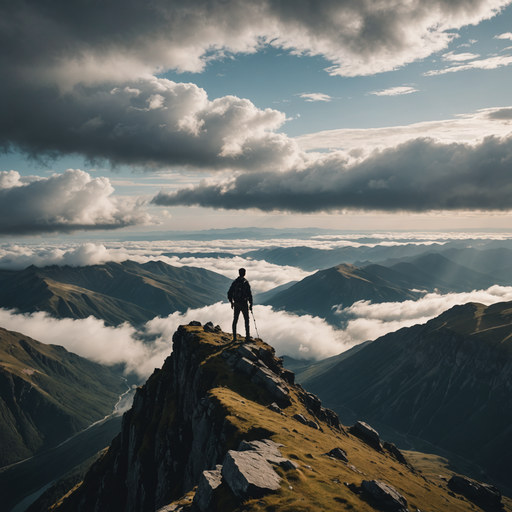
(366, 433)
(208, 482)
(248, 474)
(480, 493)
(339, 454)
(300, 418)
(387, 497)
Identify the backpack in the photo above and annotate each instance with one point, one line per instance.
(239, 289)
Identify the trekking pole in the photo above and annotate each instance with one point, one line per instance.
(255, 326)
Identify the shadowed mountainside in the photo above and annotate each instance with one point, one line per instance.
(47, 394)
(341, 285)
(446, 382)
(113, 292)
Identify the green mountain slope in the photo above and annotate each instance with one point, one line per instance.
(446, 382)
(48, 394)
(113, 292)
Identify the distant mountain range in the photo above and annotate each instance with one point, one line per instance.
(485, 260)
(446, 382)
(113, 292)
(47, 394)
(346, 284)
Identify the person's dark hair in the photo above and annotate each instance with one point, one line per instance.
(241, 272)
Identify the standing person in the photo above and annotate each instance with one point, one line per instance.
(240, 297)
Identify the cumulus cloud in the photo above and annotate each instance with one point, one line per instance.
(68, 46)
(150, 122)
(395, 91)
(464, 128)
(75, 87)
(64, 203)
(419, 175)
(506, 35)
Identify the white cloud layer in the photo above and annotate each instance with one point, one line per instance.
(64, 203)
(302, 337)
(366, 321)
(464, 128)
(262, 275)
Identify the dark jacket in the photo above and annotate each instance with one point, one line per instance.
(240, 292)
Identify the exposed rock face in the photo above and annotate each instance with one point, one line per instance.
(208, 482)
(176, 433)
(388, 497)
(482, 494)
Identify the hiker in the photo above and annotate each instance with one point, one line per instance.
(240, 297)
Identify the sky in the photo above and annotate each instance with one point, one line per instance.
(135, 116)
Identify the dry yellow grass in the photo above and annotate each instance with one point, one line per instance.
(321, 483)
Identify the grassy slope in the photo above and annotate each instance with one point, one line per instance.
(323, 486)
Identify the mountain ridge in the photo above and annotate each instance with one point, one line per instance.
(113, 292)
(222, 426)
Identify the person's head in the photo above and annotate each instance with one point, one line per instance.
(241, 272)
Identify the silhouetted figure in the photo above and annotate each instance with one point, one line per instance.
(240, 297)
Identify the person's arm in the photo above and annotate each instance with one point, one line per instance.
(230, 295)
(249, 295)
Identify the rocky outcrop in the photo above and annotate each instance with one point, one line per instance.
(366, 433)
(214, 429)
(176, 434)
(387, 497)
(482, 494)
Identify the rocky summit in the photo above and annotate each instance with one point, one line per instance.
(222, 426)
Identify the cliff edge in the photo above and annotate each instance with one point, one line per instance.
(223, 427)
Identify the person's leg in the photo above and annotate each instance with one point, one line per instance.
(245, 312)
(236, 314)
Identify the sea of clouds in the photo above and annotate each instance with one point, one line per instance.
(302, 337)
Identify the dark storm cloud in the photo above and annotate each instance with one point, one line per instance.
(60, 61)
(63, 203)
(148, 122)
(419, 175)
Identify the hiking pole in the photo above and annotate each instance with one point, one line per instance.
(255, 326)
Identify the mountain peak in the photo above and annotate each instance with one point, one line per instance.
(223, 423)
